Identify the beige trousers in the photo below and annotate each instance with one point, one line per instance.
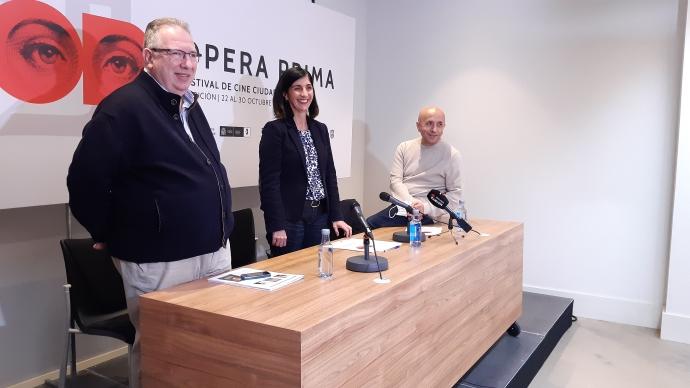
(142, 278)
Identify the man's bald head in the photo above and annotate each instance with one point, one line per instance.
(430, 124)
(428, 111)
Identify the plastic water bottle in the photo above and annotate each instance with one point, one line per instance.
(325, 255)
(416, 229)
(461, 212)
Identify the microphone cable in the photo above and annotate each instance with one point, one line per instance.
(450, 228)
(376, 257)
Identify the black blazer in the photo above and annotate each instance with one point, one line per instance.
(283, 172)
(138, 183)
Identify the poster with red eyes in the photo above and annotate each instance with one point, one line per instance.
(44, 57)
(60, 58)
(41, 52)
(112, 56)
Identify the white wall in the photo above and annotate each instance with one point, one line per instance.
(676, 318)
(352, 187)
(565, 112)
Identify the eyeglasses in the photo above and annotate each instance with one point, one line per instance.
(177, 56)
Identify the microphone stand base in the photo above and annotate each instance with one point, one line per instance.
(403, 237)
(360, 264)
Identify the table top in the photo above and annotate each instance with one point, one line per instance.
(311, 301)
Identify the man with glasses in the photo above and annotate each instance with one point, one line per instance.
(146, 179)
(420, 165)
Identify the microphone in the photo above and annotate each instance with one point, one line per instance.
(441, 201)
(389, 198)
(361, 263)
(362, 220)
(403, 236)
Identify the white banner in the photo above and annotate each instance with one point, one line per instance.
(60, 58)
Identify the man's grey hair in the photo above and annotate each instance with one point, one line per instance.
(151, 33)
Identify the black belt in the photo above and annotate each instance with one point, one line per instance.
(315, 204)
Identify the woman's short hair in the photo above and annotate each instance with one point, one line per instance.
(281, 105)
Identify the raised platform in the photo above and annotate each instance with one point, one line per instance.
(514, 361)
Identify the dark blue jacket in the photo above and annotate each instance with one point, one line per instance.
(283, 172)
(139, 184)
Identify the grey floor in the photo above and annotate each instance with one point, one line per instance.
(110, 374)
(594, 354)
(591, 354)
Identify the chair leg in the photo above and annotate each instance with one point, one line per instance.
(130, 362)
(65, 361)
(69, 337)
(73, 371)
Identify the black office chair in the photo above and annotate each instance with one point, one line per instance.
(243, 239)
(95, 300)
(350, 217)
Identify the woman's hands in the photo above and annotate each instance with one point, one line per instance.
(344, 226)
(279, 238)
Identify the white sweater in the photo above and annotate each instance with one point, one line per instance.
(419, 168)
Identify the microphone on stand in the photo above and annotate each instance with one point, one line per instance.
(361, 263)
(389, 198)
(362, 219)
(402, 236)
(441, 201)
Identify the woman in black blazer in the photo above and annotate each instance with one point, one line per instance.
(297, 179)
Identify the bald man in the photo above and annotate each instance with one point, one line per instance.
(420, 165)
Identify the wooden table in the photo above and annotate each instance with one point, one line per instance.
(444, 308)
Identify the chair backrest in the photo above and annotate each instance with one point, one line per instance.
(96, 284)
(350, 217)
(243, 238)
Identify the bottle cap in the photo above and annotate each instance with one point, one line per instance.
(325, 232)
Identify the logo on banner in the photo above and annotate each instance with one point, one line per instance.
(42, 57)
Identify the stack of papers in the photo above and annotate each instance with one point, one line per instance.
(356, 244)
(432, 230)
(275, 281)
